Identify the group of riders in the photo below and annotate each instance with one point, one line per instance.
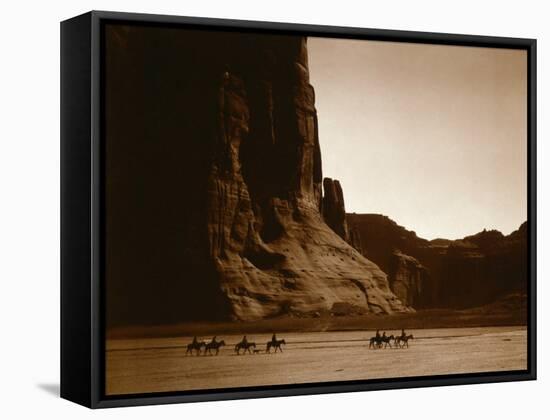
(244, 344)
(399, 341)
(376, 342)
(197, 346)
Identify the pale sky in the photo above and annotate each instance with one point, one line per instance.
(435, 137)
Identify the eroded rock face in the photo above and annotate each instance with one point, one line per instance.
(334, 208)
(472, 271)
(268, 240)
(409, 280)
(214, 184)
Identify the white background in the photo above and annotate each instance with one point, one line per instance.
(29, 209)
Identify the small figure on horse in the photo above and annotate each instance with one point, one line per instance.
(275, 344)
(194, 345)
(245, 345)
(213, 345)
(403, 339)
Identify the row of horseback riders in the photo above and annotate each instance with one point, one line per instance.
(399, 341)
(244, 344)
(197, 346)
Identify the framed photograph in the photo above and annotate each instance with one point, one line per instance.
(254, 209)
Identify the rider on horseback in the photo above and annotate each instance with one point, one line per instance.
(378, 334)
(244, 342)
(403, 334)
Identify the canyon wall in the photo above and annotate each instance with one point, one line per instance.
(442, 273)
(214, 184)
(409, 280)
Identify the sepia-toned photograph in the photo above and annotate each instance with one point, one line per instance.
(284, 209)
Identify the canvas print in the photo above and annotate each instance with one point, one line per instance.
(282, 209)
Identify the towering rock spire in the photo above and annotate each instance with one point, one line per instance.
(236, 196)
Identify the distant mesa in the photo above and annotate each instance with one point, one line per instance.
(442, 273)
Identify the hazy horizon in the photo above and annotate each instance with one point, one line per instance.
(434, 137)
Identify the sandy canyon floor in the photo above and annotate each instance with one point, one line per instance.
(161, 365)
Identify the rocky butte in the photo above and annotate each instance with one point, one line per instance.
(475, 270)
(233, 223)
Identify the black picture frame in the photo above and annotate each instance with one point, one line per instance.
(82, 185)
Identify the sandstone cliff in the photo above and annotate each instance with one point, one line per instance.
(475, 270)
(334, 208)
(270, 246)
(215, 184)
(409, 280)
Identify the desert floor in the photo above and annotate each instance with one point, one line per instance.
(143, 365)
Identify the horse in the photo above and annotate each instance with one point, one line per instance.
(244, 346)
(405, 339)
(375, 342)
(196, 345)
(387, 340)
(213, 345)
(276, 344)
